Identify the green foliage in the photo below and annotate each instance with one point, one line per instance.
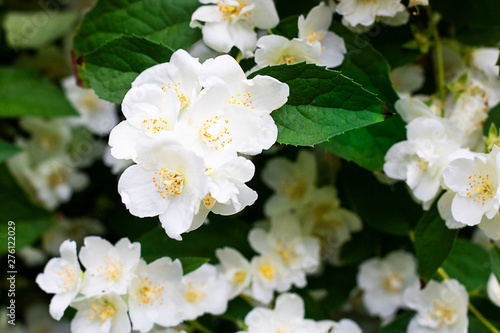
(388, 209)
(164, 21)
(7, 151)
(190, 264)
(495, 260)
(237, 309)
(493, 118)
(399, 324)
(26, 93)
(469, 264)
(26, 30)
(322, 104)
(111, 69)
(433, 243)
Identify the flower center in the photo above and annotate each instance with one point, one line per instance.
(67, 275)
(314, 36)
(232, 11)
(176, 87)
(149, 292)
(168, 182)
(241, 99)
(295, 189)
(214, 133)
(422, 164)
(104, 310)
(209, 201)
(239, 277)
(56, 178)
(393, 283)
(480, 188)
(286, 59)
(194, 294)
(113, 269)
(442, 313)
(154, 125)
(287, 254)
(267, 272)
(90, 102)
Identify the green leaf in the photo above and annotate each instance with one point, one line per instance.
(37, 29)
(237, 309)
(389, 209)
(26, 231)
(433, 243)
(111, 69)
(165, 21)
(190, 264)
(322, 104)
(27, 93)
(493, 117)
(495, 260)
(202, 243)
(399, 324)
(469, 264)
(367, 146)
(7, 150)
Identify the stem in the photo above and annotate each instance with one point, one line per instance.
(270, 31)
(238, 57)
(196, 326)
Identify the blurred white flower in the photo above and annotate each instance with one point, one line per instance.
(109, 268)
(117, 165)
(407, 79)
(384, 281)
(154, 294)
(314, 28)
(268, 275)
(96, 114)
(231, 23)
(104, 313)
(62, 277)
(361, 12)
(342, 326)
(235, 269)
(441, 307)
(493, 289)
(203, 291)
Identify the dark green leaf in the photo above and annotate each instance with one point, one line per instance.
(360, 247)
(389, 209)
(469, 264)
(201, 243)
(27, 231)
(111, 69)
(493, 117)
(165, 21)
(495, 260)
(433, 243)
(7, 151)
(26, 93)
(237, 309)
(322, 104)
(399, 324)
(190, 264)
(314, 310)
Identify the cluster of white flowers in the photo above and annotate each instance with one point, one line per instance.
(445, 153)
(118, 284)
(186, 124)
(392, 283)
(316, 209)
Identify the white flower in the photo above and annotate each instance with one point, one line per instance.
(286, 317)
(299, 253)
(314, 28)
(262, 94)
(96, 114)
(407, 79)
(384, 281)
(342, 326)
(117, 165)
(154, 295)
(485, 60)
(108, 268)
(203, 291)
(361, 12)
(413, 108)
(235, 269)
(293, 182)
(494, 290)
(230, 23)
(105, 313)
(324, 219)
(62, 277)
(476, 186)
(149, 112)
(179, 75)
(169, 181)
(277, 50)
(421, 159)
(268, 275)
(414, 3)
(441, 307)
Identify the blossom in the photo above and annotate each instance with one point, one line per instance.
(441, 307)
(407, 79)
(203, 291)
(154, 295)
(108, 268)
(116, 165)
(62, 277)
(314, 28)
(493, 289)
(235, 269)
(230, 23)
(384, 281)
(360, 12)
(342, 326)
(475, 182)
(96, 114)
(104, 313)
(169, 181)
(421, 159)
(277, 50)
(268, 275)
